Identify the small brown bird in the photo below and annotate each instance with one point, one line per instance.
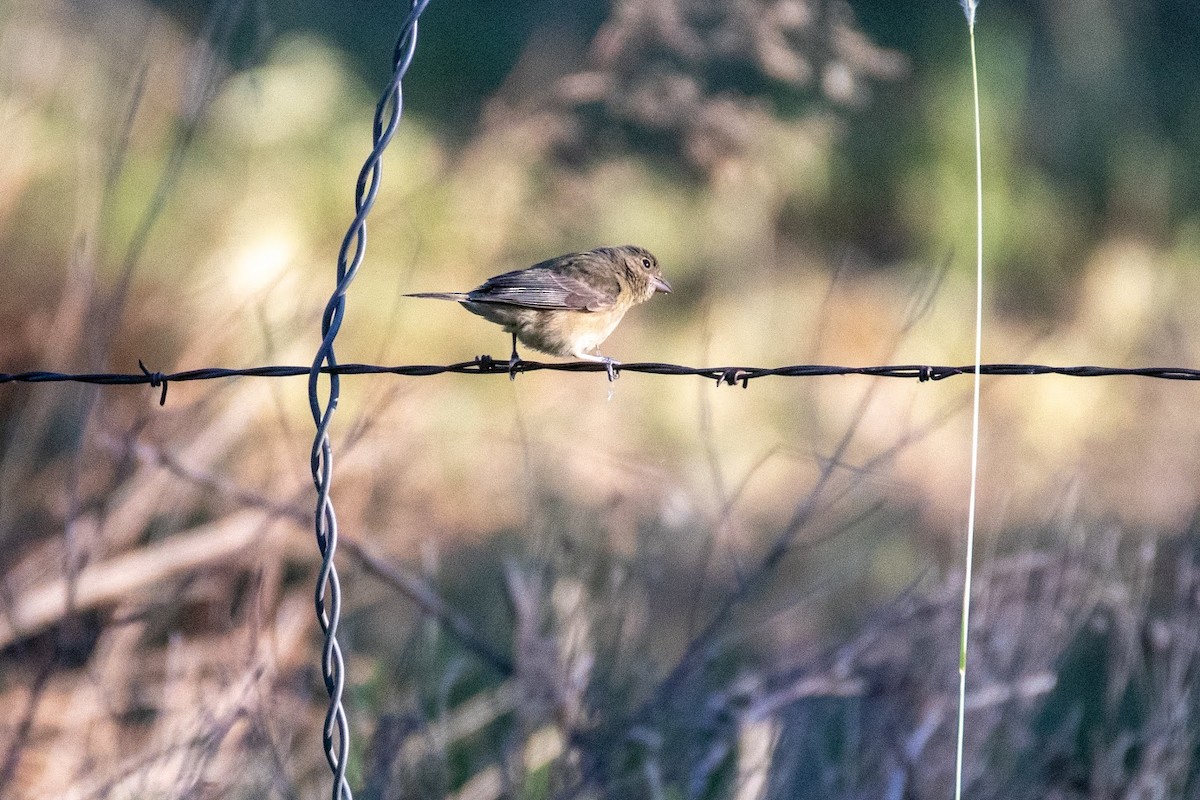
(566, 306)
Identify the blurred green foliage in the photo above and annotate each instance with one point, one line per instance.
(1091, 118)
(466, 48)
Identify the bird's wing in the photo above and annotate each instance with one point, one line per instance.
(549, 288)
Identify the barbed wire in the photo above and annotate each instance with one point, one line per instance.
(487, 365)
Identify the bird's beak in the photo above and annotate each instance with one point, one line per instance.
(660, 285)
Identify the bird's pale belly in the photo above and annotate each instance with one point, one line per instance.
(559, 333)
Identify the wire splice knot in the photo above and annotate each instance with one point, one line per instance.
(157, 379)
(733, 376)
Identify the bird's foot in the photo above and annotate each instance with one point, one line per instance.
(609, 365)
(513, 360)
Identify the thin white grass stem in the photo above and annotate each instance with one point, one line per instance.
(966, 601)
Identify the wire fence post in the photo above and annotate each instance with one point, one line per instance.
(328, 595)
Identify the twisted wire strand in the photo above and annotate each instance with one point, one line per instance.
(328, 595)
(486, 365)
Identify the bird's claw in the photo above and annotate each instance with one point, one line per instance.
(514, 360)
(609, 365)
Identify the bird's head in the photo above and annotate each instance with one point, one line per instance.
(641, 271)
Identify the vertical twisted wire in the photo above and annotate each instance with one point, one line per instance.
(328, 595)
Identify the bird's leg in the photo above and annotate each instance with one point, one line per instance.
(513, 361)
(609, 363)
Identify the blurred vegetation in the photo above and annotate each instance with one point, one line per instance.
(554, 587)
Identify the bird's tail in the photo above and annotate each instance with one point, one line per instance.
(457, 297)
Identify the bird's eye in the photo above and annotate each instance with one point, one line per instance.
(646, 263)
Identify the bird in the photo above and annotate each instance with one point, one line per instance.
(568, 305)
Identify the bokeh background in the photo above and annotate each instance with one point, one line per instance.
(555, 587)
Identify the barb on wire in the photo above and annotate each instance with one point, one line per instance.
(486, 365)
(327, 597)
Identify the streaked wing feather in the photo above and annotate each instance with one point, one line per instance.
(544, 288)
